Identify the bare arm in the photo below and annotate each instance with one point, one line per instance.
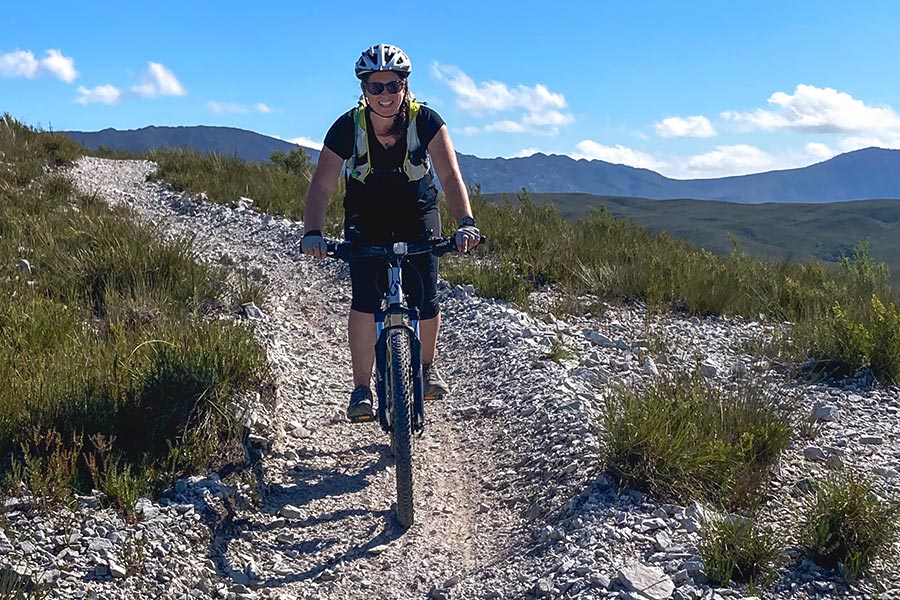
(444, 158)
(322, 186)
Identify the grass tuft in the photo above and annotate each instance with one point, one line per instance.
(682, 438)
(739, 549)
(847, 526)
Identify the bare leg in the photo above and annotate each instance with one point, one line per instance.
(428, 332)
(361, 331)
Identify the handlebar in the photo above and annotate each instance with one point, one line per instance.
(347, 250)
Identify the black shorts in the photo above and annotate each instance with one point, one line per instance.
(368, 276)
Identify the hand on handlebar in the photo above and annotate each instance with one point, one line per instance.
(466, 238)
(313, 244)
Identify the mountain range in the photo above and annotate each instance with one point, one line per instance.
(871, 173)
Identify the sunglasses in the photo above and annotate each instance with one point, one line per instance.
(377, 88)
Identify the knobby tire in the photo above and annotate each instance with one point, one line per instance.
(400, 396)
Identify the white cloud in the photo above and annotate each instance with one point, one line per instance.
(306, 142)
(538, 107)
(739, 159)
(495, 96)
(232, 108)
(820, 110)
(506, 126)
(470, 130)
(525, 152)
(889, 140)
(697, 126)
(22, 63)
(226, 108)
(102, 94)
(62, 67)
(159, 81)
(538, 123)
(550, 117)
(818, 150)
(618, 154)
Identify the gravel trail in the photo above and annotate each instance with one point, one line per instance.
(510, 498)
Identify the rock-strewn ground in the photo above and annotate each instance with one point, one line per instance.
(510, 499)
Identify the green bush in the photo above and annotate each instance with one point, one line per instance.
(503, 281)
(276, 187)
(885, 351)
(736, 548)
(847, 525)
(682, 438)
(105, 333)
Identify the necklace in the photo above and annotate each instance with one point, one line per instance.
(386, 139)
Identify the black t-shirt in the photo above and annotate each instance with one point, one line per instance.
(339, 138)
(387, 207)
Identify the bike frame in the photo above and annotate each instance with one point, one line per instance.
(395, 313)
(398, 315)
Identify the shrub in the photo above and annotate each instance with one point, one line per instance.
(847, 525)
(683, 438)
(503, 280)
(105, 333)
(276, 187)
(736, 548)
(885, 353)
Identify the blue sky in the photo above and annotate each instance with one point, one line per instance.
(693, 89)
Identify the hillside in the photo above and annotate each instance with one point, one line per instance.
(248, 145)
(859, 175)
(863, 174)
(826, 231)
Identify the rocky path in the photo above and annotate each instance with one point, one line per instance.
(510, 502)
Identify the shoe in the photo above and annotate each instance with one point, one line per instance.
(360, 408)
(434, 386)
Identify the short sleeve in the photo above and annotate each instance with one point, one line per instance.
(428, 123)
(339, 138)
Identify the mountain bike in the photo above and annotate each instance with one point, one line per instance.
(398, 357)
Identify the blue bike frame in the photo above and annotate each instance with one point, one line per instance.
(398, 315)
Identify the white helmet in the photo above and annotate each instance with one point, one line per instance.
(383, 57)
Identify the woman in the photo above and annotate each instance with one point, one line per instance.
(388, 143)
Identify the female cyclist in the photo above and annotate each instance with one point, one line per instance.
(388, 143)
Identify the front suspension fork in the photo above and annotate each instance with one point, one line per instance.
(418, 421)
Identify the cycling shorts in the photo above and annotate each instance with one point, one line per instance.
(368, 275)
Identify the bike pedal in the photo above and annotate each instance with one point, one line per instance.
(433, 397)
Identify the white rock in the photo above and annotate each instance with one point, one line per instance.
(825, 412)
(598, 338)
(289, 511)
(814, 453)
(652, 582)
(117, 570)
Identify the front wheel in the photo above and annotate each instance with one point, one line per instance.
(400, 403)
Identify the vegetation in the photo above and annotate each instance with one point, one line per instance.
(113, 375)
(276, 187)
(736, 548)
(826, 231)
(844, 317)
(846, 525)
(683, 439)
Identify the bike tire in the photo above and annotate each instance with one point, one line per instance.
(400, 399)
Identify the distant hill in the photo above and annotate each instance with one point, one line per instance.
(800, 231)
(859, 175)
(863, 174)
(224, 140)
